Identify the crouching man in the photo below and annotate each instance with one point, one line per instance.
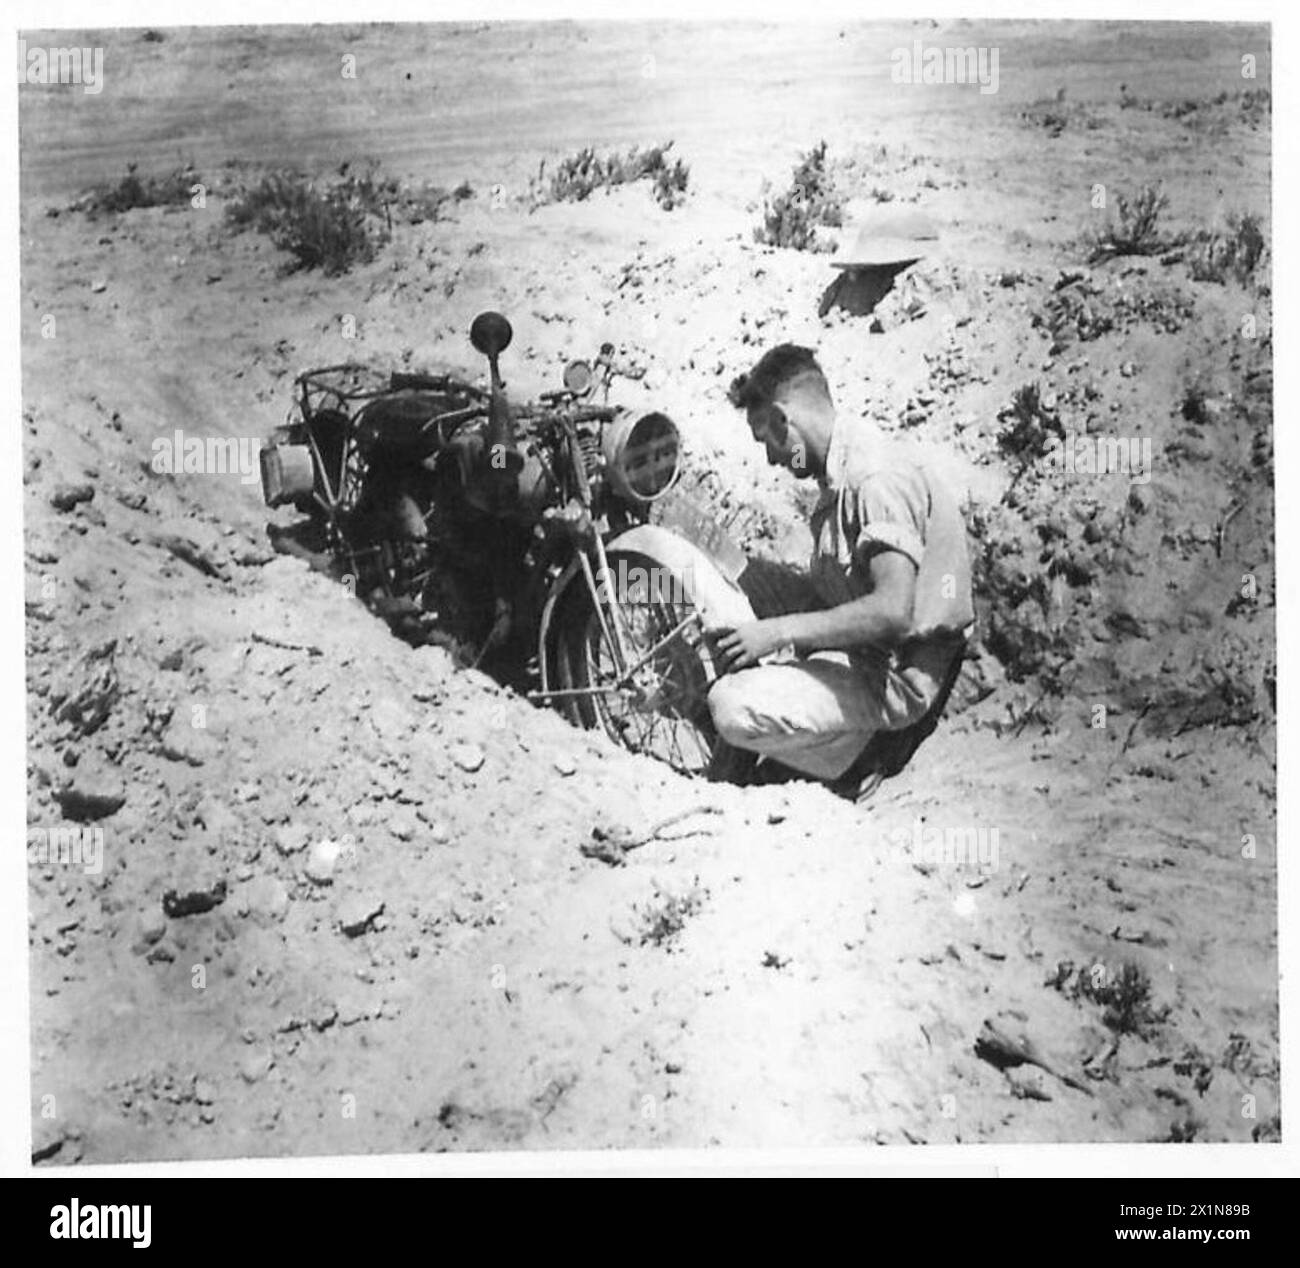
(889, 566)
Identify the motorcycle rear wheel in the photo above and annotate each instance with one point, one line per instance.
(666, 715)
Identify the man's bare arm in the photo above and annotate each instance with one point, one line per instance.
(882, 618)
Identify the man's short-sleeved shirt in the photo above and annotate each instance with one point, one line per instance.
(874, 499)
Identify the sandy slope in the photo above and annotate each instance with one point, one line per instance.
(832, 983)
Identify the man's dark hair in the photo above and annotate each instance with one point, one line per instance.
(776, 368)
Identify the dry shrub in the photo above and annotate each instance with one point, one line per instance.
(579, 175)
(337, 224)
(792, 218)
(1234, 251)
(172, 189)
(1135, 229)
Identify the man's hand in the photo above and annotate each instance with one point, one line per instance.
(743, 646)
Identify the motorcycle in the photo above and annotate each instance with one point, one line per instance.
(524, 535)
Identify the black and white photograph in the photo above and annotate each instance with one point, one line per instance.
(646, 583)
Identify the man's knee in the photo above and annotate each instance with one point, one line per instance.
(734, 717)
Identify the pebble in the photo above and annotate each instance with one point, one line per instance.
(204, 1092)
(255, 1066)
(63, 497)
(322, 862)
(194, 893)
(292, 837)
(469, 757)
(564, 764)
(152, 925)
(184, 743)
(91, 795)
(402, 825)
(355, 913)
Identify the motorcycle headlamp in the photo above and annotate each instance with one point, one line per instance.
(287, 474)
(642, 456)
(578, 377)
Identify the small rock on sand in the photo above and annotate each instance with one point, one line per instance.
(184, 743)
(292, 837)
(151, 924)
(255, 1066)
(322, 862)
(402, 825)
(356, 912)
(469, 757)
(64, 497)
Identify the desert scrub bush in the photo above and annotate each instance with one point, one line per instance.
(1074, 311)
(670, 185)
(1250, 106)
(1023, 627)
(1055, 115)
(1079, 310)
(1194, 402)
(1234, 251)
(664, 917)
(1159, 305)
(792, 219)
(1135, 229)
(1125, 998)
(1231, 683)
(133, 190)
(414, 204)
(1255, 104)
(1034, 548)
(579, 175)
(1124, 995)
(337, 224)
(1030, 424)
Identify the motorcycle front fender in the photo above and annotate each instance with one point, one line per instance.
(718, 602)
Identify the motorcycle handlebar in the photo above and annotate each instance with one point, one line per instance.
(583, 414)
(525, 413)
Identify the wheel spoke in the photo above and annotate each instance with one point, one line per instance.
(672, 724)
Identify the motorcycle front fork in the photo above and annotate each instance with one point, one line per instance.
(606, 600)
(614, 625)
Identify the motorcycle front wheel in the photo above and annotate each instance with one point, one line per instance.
(663, 712)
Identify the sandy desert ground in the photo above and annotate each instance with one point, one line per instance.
(831, 981)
